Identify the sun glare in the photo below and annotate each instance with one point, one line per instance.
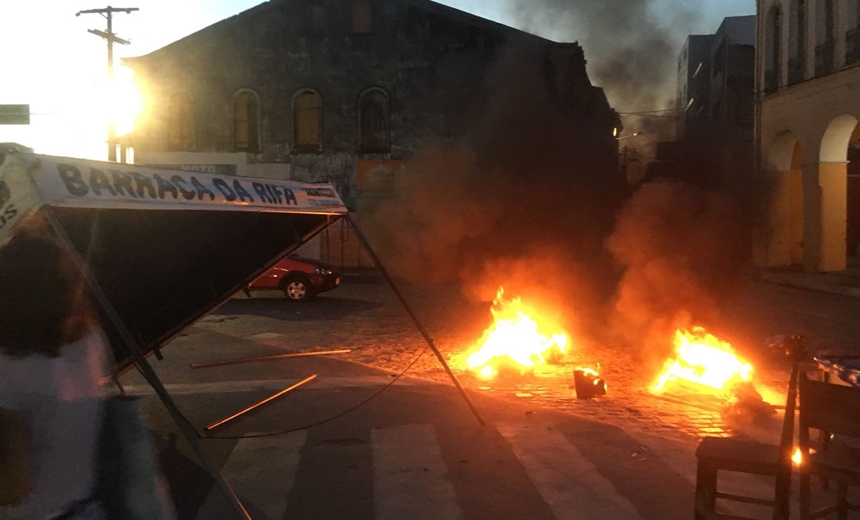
(125, 101)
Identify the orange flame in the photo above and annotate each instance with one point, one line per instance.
(515, 338)
(703, 359)
(589, 371)
(797, 457)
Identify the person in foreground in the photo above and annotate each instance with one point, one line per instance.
(51, 359)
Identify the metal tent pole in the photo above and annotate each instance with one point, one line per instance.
(147, 371)
(427, 338)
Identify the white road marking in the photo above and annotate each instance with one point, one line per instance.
(568, 482)
(261, 473)
(410, 476)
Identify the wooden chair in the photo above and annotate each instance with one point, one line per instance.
(834, 409)
(716, 454)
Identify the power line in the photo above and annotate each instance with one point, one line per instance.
(111, 38)
(646, 112)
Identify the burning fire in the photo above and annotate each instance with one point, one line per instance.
(703, 359)
(797, 457)
(515, 338)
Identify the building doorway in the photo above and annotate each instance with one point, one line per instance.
(852, 238)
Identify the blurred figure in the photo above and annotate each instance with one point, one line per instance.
(51, 360)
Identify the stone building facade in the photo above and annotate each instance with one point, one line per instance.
(808, 111)
(346, 90)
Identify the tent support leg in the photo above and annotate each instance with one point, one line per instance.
(148, 373)
(366, 245)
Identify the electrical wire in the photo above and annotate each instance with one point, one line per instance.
(326, 420)
(651, 115)
(646, 112)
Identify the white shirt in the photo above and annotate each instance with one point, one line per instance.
(60, 399)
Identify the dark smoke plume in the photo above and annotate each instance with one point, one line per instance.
(632, 46)
(521, 200)
(683, 248)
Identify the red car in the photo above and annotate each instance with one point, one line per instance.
(299, 278)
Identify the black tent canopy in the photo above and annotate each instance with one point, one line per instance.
(164, 247)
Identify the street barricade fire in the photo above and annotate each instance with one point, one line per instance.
(516, 341)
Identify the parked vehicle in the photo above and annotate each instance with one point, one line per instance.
(299, 278)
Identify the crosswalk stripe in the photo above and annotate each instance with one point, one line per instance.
(568, 482)
(261, 471)
(410, 476)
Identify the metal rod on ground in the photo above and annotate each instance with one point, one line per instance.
(366, 245)
(268, 358)
(260, 403)
(147, 371)
(676, 400)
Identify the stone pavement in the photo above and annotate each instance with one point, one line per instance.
(415, 451)
(412, 451)
(367, 318)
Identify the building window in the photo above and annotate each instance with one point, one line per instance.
(825, 36)
(307, 121)
(374, 121)
(797, 61)
(852, 37)
(180, 122)
(362, 17)
(719, 59)
(246, 122)
(773, 50)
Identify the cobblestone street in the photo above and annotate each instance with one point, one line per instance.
(364, 315)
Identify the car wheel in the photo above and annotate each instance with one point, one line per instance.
(297, 289)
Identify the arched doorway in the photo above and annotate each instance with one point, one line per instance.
(833, 181)
(852, 232)
(785, 161)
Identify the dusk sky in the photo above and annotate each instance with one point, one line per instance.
(55, 65)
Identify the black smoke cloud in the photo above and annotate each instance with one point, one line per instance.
(683, 248)
(523, 200)
(632, 45)
(520, 201)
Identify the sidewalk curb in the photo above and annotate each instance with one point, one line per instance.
(795, 282)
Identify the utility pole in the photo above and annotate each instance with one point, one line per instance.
(111, 38)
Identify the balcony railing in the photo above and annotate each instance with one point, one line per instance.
(852, 45)
(797, 69)
(771, 81)
(824, 57)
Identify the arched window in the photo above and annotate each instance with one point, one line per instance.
(307, 121)
(246, 122)
(773, 49)
(180, 122)
(374, 120)
(798, 42)
(825, 36)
